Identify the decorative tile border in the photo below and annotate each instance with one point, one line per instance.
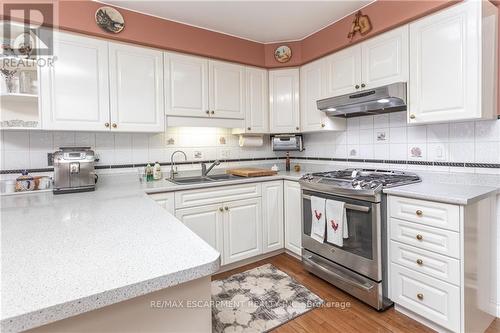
(355, 160)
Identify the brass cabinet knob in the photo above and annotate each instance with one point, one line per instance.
(363, 85)
(106, 124)
(207, 112)
(420, 237)
(226, 208)
(419, 212)
(356, 86)
(249, 128)
(412, 116)
(420, 261)
(420, 296)
(114, 125)
(212, 112)
(221, 209)
(297, 128)
(322, 125)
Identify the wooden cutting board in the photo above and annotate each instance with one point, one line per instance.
(251, 172)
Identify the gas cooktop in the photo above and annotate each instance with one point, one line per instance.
(373, 180)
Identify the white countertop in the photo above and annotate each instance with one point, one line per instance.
(68, 254)
(448, 193)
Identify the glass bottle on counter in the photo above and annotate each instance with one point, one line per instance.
(149, 173)
(287, 162)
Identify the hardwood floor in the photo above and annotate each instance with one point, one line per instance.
(358, 317)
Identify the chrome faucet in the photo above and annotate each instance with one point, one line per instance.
(205, 171)
(173, 169)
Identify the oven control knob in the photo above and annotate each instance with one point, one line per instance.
(373, 184)
(355, 183)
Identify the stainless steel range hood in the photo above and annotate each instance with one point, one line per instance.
(383, 99)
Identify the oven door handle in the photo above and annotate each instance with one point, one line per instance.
(363, 286)
(358, 208)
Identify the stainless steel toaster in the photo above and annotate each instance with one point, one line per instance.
(74, 170)
(287, 142)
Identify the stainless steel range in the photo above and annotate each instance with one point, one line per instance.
(359, 266)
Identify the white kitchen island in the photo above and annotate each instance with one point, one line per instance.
(109, 261)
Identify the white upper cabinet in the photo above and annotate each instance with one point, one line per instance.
(257, 101)
(75, 90)
(284, 105)
(343, 71)
(136, 88)
(373, 63)
(384, 59)
(453, 64)
(312, 88)
(186, 85)
(226, 90)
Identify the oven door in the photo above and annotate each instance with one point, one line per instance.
(361, 251)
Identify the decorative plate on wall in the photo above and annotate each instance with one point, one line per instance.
(282, 54)
(109, 19)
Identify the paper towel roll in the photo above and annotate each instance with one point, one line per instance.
(251, 141)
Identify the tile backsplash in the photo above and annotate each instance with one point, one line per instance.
(379, 137)
(389, 137)
(28, 149)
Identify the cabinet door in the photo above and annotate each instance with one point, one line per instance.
(226, 90)
(293, 220)
(257, 101)
(75, 90)
(385, 59)
(242, 229)
(206, 222)
(186, 85)
(343, 72)
(136, 89)
(165, 200)
(312, 84)
(445, 65)
(272, 216)
(284, 100)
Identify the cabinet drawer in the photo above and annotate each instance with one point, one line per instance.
(438, 240)
(206, 196)
(433, 299)
(434, 214)
(430, 263)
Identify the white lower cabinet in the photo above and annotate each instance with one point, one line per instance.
(242, 225)
(206, 222)
(165, 200)
(433, 299)
(440, 262)
(272, 216)
(293, 214)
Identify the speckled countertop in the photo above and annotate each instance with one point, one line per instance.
(68, 254)
(447, 193)
(63, 255)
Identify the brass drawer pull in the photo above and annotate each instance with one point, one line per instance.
(419, 212)
(226, 208)
(221, 209)
(420, 296)
(420, 262)
(114, 125)
(420, 237)
(412, 116)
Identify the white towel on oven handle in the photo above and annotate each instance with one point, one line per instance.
(318, 219)
(336, 222)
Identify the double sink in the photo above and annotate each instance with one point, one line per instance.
(202, 179)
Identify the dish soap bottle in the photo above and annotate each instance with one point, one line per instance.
(149, 173)
(157, 171)
(287, 162)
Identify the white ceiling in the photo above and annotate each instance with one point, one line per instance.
(261, 21)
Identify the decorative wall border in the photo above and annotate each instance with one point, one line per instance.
(355, 160)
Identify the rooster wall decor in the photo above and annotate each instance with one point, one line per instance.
(360, 24)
